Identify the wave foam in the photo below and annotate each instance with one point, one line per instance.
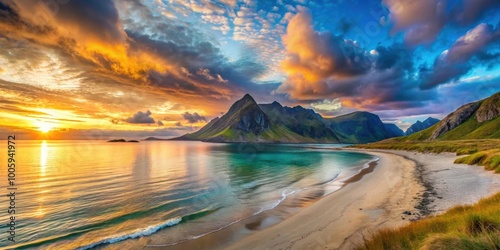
(135, 234)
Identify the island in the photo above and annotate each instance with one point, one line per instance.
(123, 140)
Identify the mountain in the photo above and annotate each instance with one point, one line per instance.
(247, 122)
(418, 126)
(304, 122)
(476, 120)
(362, 127)
(393, 130)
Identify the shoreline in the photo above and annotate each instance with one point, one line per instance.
(447, 184)
(389, 192)
(234, 232)
(432, 184)
(377, 198)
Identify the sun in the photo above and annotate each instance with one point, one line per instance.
(44, 126)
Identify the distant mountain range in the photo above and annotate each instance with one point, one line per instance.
(476, 120)
(418, 126)
(362, 127)
(247, 121)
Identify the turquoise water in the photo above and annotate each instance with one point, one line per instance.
(87, 194)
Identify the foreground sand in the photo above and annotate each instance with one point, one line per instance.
(448, 184)
(341, 218)
(400, 182)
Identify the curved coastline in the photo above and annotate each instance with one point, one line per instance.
(374, 198)
(287, 206)
(403, 181)
(379, 196)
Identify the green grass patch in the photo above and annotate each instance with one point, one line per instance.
(466, 151)
(490, 159)
(456, 146)
(484, 152)
(471, 129)
(463, 227)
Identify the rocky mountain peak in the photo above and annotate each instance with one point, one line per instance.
(454, 119)
(490, 109)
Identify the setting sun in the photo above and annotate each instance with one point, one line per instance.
(44, 126)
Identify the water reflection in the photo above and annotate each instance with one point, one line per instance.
(44, 151)
(94, 190)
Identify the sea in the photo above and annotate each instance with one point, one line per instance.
(155, 194)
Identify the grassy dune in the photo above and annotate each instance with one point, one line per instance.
(490, 159)
(463, 227)
(483, 152)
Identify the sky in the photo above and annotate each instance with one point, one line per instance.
(98, 69)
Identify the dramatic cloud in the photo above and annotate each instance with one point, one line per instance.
(473, 9)
(421, 20)
(320, 66)
(91, 63)
(141, 117)
(454, 62)
(314, 58)
(194, 117)
(171, 56)
(89, 19)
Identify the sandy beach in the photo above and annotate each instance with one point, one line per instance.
(401, 182)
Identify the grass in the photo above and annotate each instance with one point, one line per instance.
(490, 159)
(484, 152)
(472, 129)
(462, 227)
(456, 146)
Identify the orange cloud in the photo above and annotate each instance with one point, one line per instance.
(314, 59)
(92, 31)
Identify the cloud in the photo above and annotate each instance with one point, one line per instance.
(194, 117)
(320, 66)
(159, 52)
(141, 118)
(455, 62)
(313, 57)
(159, 123)
(89, 19)
(327, 105)
(392, 56)
(421, 20)
(474, 9)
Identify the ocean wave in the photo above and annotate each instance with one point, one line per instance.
(135, 234)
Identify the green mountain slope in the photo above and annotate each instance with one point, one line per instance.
(304, 122)
(361, 127)
(247, 122)
(477, 120)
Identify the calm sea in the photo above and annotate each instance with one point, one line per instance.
(88, 194)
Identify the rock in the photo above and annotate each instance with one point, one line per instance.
(454, 119)
(489, 109)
